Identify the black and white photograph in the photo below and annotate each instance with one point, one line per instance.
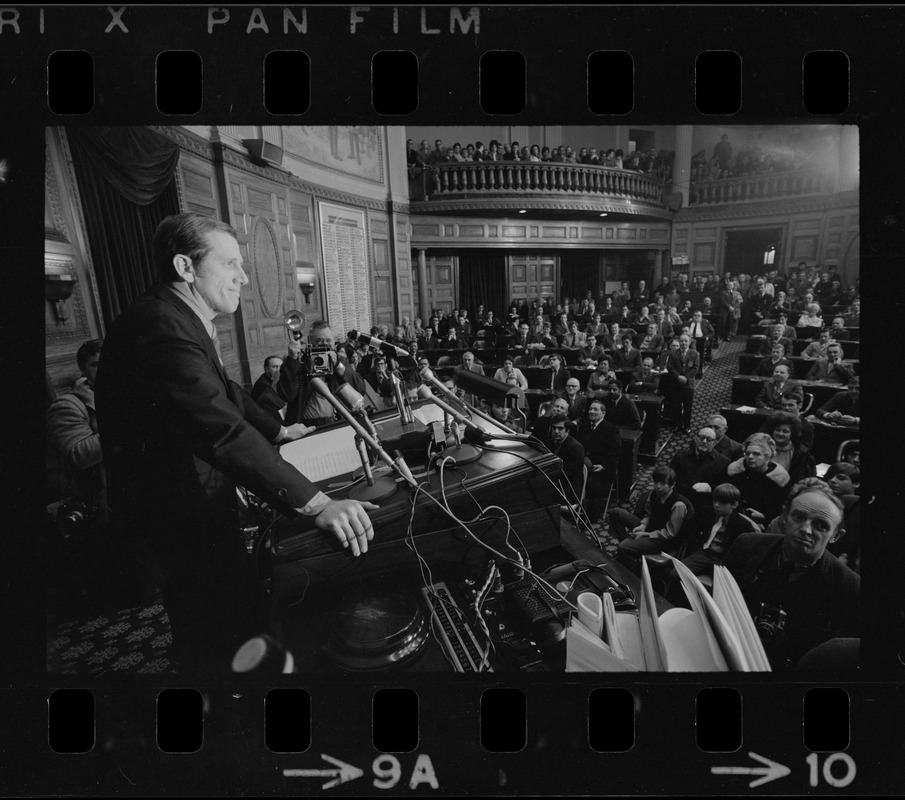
(450, 400)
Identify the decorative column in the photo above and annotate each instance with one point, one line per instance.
(847, 179)
(423, 305)
(681, 175)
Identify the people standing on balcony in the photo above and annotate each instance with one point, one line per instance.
(722, 152)
(534, 155)
(571, 158)
(493, 153)
(513, 152)
(438, 154)
(545, 154)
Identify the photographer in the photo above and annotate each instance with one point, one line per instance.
(304, 405)
(798, 593)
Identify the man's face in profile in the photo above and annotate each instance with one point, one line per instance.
(218, 278)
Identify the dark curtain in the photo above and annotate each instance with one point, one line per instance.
(127, 185)
(577, 275)
(482, 281)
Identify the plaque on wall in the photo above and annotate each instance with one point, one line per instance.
(347, 282)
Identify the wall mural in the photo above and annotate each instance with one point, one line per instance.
(352, 149)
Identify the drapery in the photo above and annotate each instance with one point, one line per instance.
(482, 281)
(126, 182)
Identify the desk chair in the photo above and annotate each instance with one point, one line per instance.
(445, 361)
(844, 446)
(807, 402)
(544, 361)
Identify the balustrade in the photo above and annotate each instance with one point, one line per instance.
(751, 188)
(446, 181)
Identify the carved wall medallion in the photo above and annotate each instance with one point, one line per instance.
(267, 267)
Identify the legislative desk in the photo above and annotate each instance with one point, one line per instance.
(306, 620)
(755, 343)
(747, 363)
(745, 389)
(827, 435)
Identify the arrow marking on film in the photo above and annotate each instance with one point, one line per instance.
(769, 772)
(343, 774)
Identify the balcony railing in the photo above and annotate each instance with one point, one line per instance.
(752, 188)
(510, 178)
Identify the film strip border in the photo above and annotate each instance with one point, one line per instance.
(577, 738)
(301, 63)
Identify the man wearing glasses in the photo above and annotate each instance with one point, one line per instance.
(699, 468)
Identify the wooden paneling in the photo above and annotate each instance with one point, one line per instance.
(532, 276)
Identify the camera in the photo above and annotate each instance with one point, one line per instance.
(320, 361)
(75, 516)
(770, 623)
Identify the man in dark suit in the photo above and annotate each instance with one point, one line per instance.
(723, 445)
(602, 446)
(627, 358)
(683, 365)
(772, 392)
(523, 338)
(844, 407)
(621, 410)
(178, 435)
(832, 369)
(701, 332)
(569, 449)
(578, 402)
(556, 380)
(264, 391)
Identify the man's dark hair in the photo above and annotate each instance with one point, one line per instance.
(559, 419)
(184, 234)
(615, 382)
(664, 473)
(90, 348)
(843, 468)
(727, 493)
(267, 360)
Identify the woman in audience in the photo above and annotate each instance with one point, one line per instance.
(811, 317)
(786, 432)
(511, 374)
(599, 378)
(762, 482)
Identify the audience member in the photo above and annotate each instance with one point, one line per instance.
(714, 528)
(72, 431)
(772, 392)
(648, 380)
(559, 375)
(832, 369)
(785, 429)
(264, 391)
(798, 593)
(666, 513)
(767, 366)
(723, 445)
(762, 482)
(577, 402)
(569, 449)
(683, 366)
(511, 374)
(621, 410)
(699, 468)
(602, 445)
(844, 407)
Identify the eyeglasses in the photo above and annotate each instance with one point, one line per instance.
(817, 523)
(705, 438)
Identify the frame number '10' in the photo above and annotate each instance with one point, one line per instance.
(836, 780)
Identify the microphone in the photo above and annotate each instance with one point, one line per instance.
(373, 341)
(477, 432)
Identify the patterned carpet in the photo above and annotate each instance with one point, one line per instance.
(90, 634)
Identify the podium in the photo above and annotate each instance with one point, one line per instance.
(514, 475)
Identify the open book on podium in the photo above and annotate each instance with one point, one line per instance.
(716, 634)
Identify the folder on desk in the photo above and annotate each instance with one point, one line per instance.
(715, 635)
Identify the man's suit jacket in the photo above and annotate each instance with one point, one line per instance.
(654, 343)
(840, 372)
(728, 447)
(572, 454)
(594, 353)
(577, 406)
(624, 413)
(178, 435)
(602, 445)
(557, 383)
(844, 403)
(771, 394)
(707, 331)
(266, 396)
(688, 365)
(766, 349)
(766, 366)
(574, 339)
(531, 338)
(630, 360)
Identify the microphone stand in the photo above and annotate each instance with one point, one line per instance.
(398, 464)
(457, 451)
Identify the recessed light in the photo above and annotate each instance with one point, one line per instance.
(523, 211)
(603, 214)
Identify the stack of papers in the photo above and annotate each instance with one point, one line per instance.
(716, 634)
